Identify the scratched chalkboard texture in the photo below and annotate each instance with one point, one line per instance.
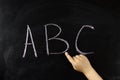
(34, 34)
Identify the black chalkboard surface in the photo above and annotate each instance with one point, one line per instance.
(34, 42)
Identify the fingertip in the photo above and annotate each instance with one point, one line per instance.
(77, 56)
(66, 53)
(82, 55)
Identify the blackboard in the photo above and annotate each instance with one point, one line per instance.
(34, 41)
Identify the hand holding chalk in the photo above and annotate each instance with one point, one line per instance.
(81, 64)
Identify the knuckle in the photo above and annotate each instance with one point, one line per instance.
(74, 68)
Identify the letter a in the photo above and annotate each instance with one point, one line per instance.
(27, 43)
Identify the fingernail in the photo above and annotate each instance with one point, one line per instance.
(66, 52)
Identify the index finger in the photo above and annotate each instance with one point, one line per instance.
(70, 59)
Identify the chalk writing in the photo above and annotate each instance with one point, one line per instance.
(27, 43)
(56, 37)
(76, 46)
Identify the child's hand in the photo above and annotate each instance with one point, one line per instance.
(79, 62)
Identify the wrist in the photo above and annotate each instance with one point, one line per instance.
(88, 70)
(91, 74)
